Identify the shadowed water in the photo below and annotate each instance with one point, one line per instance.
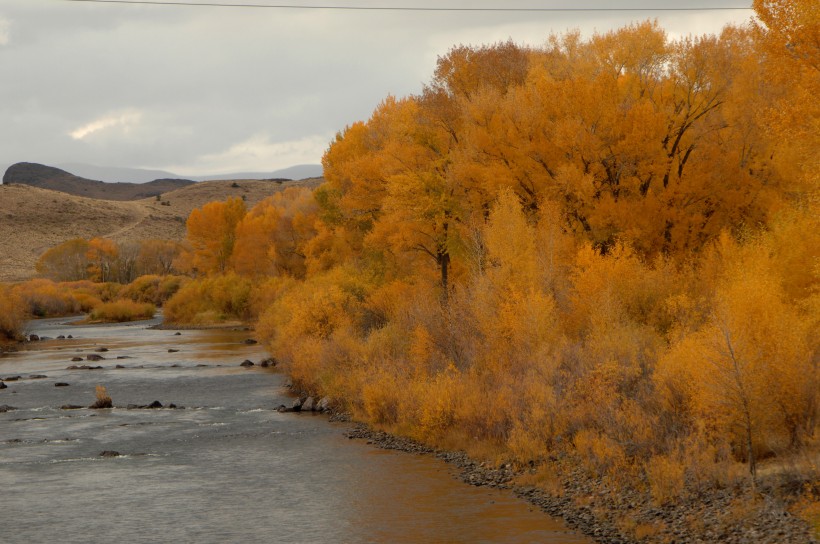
(226, 468)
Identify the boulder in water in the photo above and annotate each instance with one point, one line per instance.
(6, 408)
(110, 453)
(61, 384)
(246, 363)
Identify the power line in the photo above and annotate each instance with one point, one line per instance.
(405, 8)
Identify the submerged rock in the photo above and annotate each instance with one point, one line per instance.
(61, 384)
(3, 385)
(101, 350)
(37, 377)
(250, 341)
(11, 378)
(246, 363)
(94, 357)
(172, 350)
(110, 453)
(71, 407)
(75, 359)
(6, 408)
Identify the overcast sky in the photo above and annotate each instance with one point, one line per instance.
(209, 90)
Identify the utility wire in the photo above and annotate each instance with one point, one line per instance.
(403, 8)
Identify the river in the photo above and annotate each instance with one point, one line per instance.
(225, 468)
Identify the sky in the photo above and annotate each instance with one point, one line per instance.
(200, 90)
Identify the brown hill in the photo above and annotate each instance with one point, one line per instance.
(33, 220)
(48, 177)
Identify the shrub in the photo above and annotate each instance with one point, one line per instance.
(152, 288)
(208, 300)
(12, 314)
(103, 399)
(45, 298)
(666, 478)
(122, 310)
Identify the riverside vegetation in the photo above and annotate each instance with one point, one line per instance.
(594, 260)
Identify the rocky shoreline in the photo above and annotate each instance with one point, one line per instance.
(586, 505)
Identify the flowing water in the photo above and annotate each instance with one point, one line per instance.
(226, 468)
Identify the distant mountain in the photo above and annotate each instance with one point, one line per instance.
(116, 175)
(300, 171)
(139, 175)
(48, 177)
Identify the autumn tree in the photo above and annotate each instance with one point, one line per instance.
(157, 256)
(102, 256)
(211, 233)
(67, 261)
(271, 238)
(788, 37)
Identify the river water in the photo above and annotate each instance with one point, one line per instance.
(226, 468)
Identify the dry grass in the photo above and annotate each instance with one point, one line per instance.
(33, 220)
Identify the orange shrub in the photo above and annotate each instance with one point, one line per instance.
(152, 288)
(122, 310)
(13, 313)
(209, 300)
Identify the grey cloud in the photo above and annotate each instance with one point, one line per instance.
(203, 80)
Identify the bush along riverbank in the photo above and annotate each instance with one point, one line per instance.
(738, 514)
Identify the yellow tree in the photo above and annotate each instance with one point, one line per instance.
(66, 261)
(102, 255)
(788, 37)
(748, 373)
(157, 256)
(271, 238)
(211, 235)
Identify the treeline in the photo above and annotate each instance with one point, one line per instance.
(602, 250)
(104, 260)
(605, 248)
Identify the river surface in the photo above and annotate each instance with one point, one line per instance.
(226, 468)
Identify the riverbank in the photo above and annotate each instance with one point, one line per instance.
(734, 515)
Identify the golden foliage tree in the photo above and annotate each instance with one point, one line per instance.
(211, 233)
(67, 261)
